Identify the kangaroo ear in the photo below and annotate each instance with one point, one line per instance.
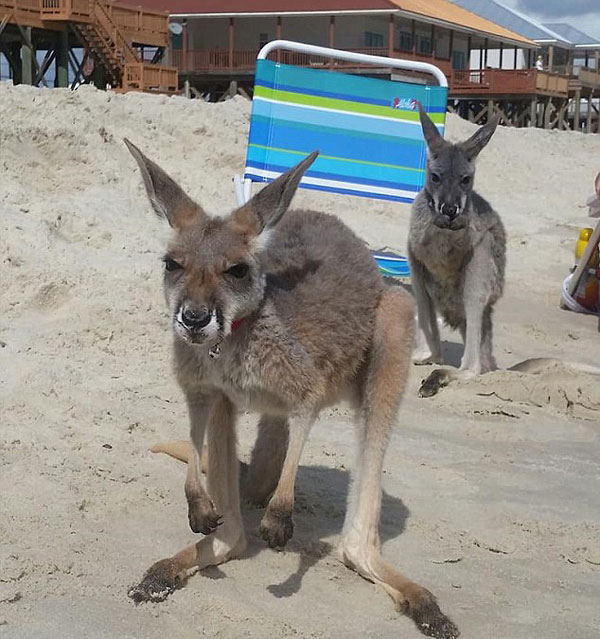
(167, 198)
(480, 138)
(268, 206)
(432, 136)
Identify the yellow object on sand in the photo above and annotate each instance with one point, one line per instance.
(584, 237)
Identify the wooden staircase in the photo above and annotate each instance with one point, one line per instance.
(96, 23)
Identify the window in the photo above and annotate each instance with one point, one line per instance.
(425, 45)
(458, 60)
(406, 41)
(176, 41)
(373, 40)
(263, 38)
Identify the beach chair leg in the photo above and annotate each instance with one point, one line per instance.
(238, 187)
(247, 189)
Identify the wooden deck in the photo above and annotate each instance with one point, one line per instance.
(500, 82)
(137, 24)
(220, 61)
(488, 82)
(109, 32)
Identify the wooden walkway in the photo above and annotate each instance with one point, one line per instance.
(108, 32)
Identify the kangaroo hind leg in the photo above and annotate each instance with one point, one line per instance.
(387, 373)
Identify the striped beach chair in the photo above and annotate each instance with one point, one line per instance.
(366, 129)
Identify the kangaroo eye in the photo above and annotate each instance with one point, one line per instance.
(466, 180)
(172, 265)
(435, 177)
(238, 271)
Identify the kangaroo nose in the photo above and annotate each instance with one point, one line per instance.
(195, 318)
(450, 210)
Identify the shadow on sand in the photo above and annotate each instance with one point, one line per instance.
(320, 507)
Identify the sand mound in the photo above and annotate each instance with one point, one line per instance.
(554, 387)
(86, 388)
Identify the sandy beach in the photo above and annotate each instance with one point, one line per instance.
(492, 487)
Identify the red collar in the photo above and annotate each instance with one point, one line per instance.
(236, 323)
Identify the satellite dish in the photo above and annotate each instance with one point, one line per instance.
(176, 28)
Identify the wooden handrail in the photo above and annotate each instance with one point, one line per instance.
(121, 48)
(218, 59)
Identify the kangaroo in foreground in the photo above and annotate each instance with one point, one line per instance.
(457, 254)
(283, 314)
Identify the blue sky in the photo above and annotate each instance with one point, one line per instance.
(582, 14)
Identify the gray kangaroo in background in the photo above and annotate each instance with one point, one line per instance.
(457, 253)
(282, 313)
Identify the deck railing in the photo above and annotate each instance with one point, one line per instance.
(150, 77)
(65, 9)
(21, 8)
(223, 60)
(552, 83)
(508, 82)
(493, 81)
(140, 25)
(589, 77)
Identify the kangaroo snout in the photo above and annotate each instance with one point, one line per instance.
(196, 323)
(195, 318)
(449, 210)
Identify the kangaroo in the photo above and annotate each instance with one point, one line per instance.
(282, 314)
(457, 254)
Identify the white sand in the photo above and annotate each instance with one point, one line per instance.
(492, 487)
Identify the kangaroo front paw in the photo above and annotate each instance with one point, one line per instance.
(158, 582)
(203, 516)
(277, 527)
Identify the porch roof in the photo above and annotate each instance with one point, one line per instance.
(580, 39)
(456, 16)
(441, 12)
(513, 20)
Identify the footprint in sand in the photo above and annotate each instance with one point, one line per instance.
(51, 296)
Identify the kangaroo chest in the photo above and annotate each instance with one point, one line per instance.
(443, 253)
(238, 378)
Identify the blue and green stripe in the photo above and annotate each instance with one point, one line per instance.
(367, 130)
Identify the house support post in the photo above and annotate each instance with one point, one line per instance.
(577, 120)
(588, 123)
(550, 58)
(547, 113)
(13, 49)
(533, 109)
(27, 59)
(468, 60)
(331, 38)
(278, 36)
(391, 36)
(490, 109)
(184, 47)
(231, 38)
(62, 59)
